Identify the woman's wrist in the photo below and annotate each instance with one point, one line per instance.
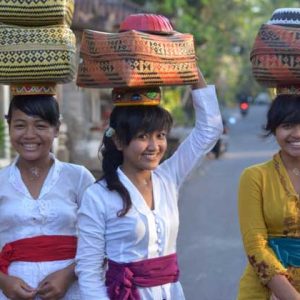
(71, 272)
(2, 279)
(201, 83)
(282, 288)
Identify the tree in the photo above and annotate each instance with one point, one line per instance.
(224, 32)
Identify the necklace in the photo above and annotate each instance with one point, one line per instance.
(35, 173)
(145, 182)
(296, 171)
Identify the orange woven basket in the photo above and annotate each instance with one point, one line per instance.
(275, 56)
(136, 59)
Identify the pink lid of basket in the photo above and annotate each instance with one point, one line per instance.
(147, 22)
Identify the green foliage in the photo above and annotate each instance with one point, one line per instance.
(139, 2)
(224, 32)
(172, 102)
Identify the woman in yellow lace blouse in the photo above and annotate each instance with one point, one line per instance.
(269, 211)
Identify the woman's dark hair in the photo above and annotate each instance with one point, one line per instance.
(284, 109)
(127, 123)
(43, 106)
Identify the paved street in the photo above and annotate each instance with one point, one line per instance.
(210, 249)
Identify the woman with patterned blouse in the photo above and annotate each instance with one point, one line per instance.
(269, 211)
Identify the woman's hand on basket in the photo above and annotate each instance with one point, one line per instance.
(201, 83)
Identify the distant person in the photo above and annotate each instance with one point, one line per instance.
(221, 146)
(39, 198)
(130, 217)
(269, 211)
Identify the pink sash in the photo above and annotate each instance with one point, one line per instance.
(122, 280)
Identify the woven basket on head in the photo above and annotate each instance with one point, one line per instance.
(286, 17)
(37, 54)
(275, 56)
(36, 12)
(135, 59)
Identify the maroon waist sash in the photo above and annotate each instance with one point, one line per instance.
(122, 279)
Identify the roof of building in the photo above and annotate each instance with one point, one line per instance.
(102, 15)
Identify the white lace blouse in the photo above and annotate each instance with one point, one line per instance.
(142, 233)
(53, 213)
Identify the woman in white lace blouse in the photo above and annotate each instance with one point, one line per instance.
(39, 198)
(131, 216)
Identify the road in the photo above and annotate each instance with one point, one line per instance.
(210, 250)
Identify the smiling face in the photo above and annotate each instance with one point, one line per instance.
(144, 151)
(31, 136)
(288, 138)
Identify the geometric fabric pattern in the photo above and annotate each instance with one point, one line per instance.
(290, 90)
(136, 59)
(286, 17)
(275, 56)
(37, 54)
(33, 89)
(36, 12)
(136, 96)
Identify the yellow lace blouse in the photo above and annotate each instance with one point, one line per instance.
(268, 207)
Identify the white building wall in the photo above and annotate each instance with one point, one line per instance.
(4, 104)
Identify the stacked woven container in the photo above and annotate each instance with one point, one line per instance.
(146, 52)
(275, 55)
(37, 46)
